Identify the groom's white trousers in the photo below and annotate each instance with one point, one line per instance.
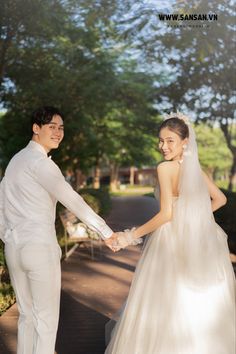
(35, 274)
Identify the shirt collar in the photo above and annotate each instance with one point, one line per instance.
(36, 146)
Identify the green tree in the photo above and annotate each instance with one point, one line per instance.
(107, 100)
(200, 61)
(214, 155)
(22, 22)
(206, 67)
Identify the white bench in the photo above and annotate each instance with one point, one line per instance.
(76, 231)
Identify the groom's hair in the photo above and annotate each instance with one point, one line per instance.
(44, 115)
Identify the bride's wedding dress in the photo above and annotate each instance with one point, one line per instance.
(182, 297)
(164, 314)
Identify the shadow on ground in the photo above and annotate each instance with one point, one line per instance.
(89, 337)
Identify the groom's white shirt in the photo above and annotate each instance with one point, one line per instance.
(32, 185)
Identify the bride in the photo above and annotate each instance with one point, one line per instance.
(182, 297)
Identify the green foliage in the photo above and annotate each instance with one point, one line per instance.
(98, 199)
(214, 154)
(75, 56)
(7, 297)
(80, 67)
(198, 62)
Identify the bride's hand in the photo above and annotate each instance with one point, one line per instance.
(125, 239)
(114, 242)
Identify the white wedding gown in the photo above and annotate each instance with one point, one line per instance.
(165, 314)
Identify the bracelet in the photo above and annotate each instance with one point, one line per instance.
(127, 238)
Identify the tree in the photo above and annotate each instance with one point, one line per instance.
(107, 101)
(214, 155)
(23, 22)
(206, 65)
(200, 60)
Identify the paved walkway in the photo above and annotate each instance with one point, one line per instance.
(92, 291)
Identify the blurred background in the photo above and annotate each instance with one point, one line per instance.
(113, 67)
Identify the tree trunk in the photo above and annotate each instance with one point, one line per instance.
(131, 176)
(80, 179)
(96, 179)
(232, 148)
(232, 175)
(114, 177)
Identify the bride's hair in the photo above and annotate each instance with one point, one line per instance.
(177, 126)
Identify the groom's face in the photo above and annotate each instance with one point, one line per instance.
(49, 135)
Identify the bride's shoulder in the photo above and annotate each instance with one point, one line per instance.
(162, 165)
(167, 166)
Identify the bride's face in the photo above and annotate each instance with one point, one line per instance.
(171, 144)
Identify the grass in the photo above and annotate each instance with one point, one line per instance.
(7, 297)
(128, 190)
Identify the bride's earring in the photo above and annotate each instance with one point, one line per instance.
(185, 151)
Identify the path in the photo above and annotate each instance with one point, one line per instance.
(92, 291)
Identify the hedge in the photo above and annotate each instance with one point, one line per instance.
(98, 199)
(7, 297)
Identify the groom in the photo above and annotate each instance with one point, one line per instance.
(29, 191)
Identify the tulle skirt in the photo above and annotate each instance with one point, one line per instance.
(166, 314)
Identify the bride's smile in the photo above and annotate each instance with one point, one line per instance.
(171, 145)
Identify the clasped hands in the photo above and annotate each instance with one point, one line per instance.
(120, 240)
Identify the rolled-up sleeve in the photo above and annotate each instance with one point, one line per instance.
(52, 180)
(2, 220)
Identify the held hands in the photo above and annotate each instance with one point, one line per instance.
(110, 241)
(121, 240)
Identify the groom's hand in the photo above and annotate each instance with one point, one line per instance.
(111, 242)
